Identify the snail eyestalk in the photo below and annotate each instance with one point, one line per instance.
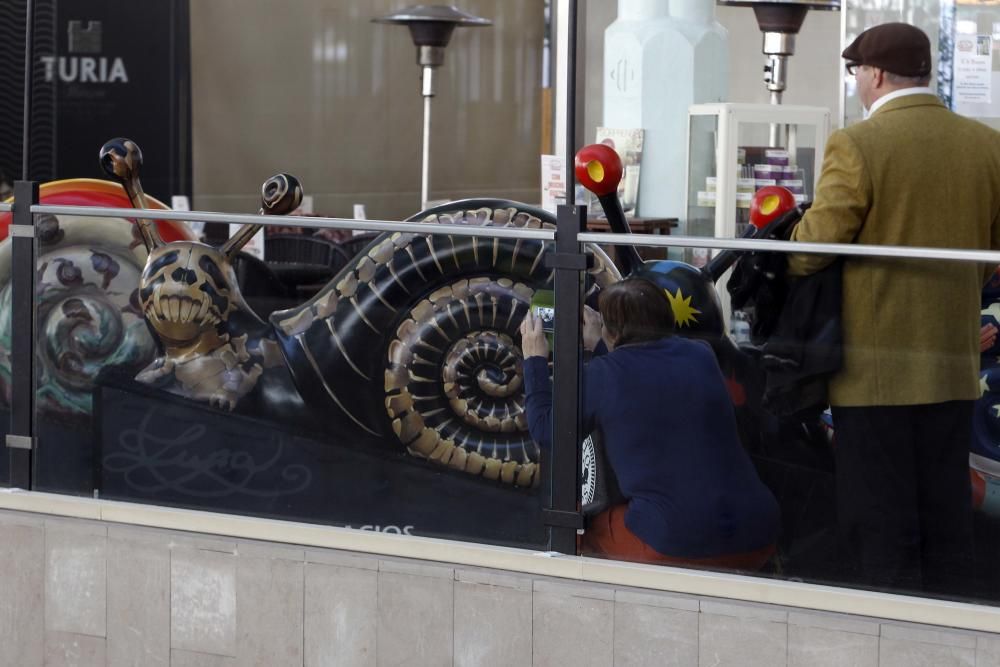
(599, 168)
(121, 159)
(769, 205)
(279, 195)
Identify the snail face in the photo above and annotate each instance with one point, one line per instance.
(186, 290)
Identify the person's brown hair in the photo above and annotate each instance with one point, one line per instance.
(635, 311)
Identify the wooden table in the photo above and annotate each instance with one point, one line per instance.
(638, 226)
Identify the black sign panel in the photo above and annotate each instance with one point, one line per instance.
(103, 69)
(157, 448)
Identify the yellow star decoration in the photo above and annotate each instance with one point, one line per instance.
(684, 312)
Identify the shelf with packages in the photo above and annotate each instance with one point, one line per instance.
(751, 178)
(638, 225)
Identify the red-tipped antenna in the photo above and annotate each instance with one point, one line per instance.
(599, 169)
(769, 203)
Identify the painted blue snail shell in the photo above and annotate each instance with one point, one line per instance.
(414, 344)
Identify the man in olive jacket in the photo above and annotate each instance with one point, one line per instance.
(912, 174)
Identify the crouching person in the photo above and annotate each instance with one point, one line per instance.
(692, 494)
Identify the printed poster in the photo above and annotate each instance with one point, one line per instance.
(973, 76)
(627, 142)
(553, 182)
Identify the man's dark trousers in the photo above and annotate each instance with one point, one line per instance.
(904, 498)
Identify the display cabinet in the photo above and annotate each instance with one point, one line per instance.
(735, 149)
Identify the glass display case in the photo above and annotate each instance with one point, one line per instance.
(735, 149)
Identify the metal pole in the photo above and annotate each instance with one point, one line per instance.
(842, 93)
(20, 440)
(29, 72)
(774, 138)
(425, 169)
(777, 47)
(569, 262)
(571, 101)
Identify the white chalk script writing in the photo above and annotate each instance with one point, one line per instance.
(188, 464)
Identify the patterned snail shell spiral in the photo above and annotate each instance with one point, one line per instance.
(86, 301)
(416, 343)
(87, 309)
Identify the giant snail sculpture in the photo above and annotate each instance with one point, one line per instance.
(412, 344)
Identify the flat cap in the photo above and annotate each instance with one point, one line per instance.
(899, 48)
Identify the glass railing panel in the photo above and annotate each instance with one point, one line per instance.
(873, 493)
(373, 381)
(394, 398)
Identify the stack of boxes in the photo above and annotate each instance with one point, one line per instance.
(775, 169)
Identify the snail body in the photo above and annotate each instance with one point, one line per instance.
(214, 346)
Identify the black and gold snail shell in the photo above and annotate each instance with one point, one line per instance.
(416, 342)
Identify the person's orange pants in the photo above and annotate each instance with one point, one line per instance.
(608, 536)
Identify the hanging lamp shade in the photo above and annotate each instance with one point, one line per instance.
(784, 16)
(432, 25)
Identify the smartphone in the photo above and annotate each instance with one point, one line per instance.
(543, 306)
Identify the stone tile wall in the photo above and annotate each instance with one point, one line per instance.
(76, 592)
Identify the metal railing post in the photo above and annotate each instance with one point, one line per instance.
(29, 74)
(21, 438)
(562, 514)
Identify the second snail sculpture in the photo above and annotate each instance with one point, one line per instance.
(414, 344)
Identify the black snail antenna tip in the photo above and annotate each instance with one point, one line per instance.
(121, 158)
(280, 195)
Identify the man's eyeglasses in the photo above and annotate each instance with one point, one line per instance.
(852, 68)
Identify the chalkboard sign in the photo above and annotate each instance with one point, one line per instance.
(157, 448)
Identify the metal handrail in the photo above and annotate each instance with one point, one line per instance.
(851, 249)
(302, 221)
(648, 240)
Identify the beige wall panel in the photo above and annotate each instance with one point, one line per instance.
(316, 89)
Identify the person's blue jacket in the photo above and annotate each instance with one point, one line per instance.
(670, 435)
